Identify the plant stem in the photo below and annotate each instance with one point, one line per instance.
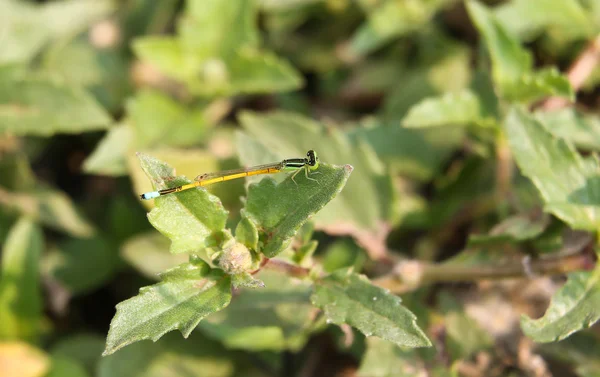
(288, 268)
(410, 275)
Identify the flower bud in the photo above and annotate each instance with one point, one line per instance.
(235, 259)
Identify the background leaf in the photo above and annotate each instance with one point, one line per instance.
(385, 359)
(350, 298)
(110, 156)
(451, 109)
(37, 106)
(82, 265)
(20, 294)
(277, 317)
(512, 65)
(566, 181)
(49, 207)
(574, 307)
(195, 356)
(149, 254)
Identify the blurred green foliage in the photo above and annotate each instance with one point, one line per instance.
(458, 143)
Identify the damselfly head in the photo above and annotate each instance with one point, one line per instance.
(313, 159)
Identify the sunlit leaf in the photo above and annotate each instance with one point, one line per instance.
(186, 295)
(581, 129)
(279, 210)
(160, 120)
(392, 19)
(41, 107)
(110, 155)
(191, 219)
(286, 135)
(567, 182)
(528, 19)
(461, 108)
(149, 254)
(512, 65)
(28, 27)
(20, 294)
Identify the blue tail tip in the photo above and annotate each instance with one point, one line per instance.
(150, 195)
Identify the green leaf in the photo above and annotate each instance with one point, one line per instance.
(583, 130)
(574, 307)
(280, 135)
(192, 219)
(82, 265)
(40, 107)
(172, 356)
(149, 254)
(28, 27)
(414, 153)
(512, 67)
(110, 156)
(159, 120)
(245, 280)
(69, 17)
(472, 182)
(343, 253)
(64, 367)
(186, 295)
(509, 60)
(15, 172)
(50, 207)
(247, 233)
(20, 294)
(103, 71)
(528, 19)
(392, 19)
(285, 5)
(349, 298)
(532, 86)
(429, 79)
(277, 317)
(167, 55)
(462, 108)
(384, 359)
(514, 229)
(189, 163)
(464, 337)
(279, 210)
(566, 181)
(82, 348)
(217, 54)
(214, 28)
(254, 71)
(579, 350)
